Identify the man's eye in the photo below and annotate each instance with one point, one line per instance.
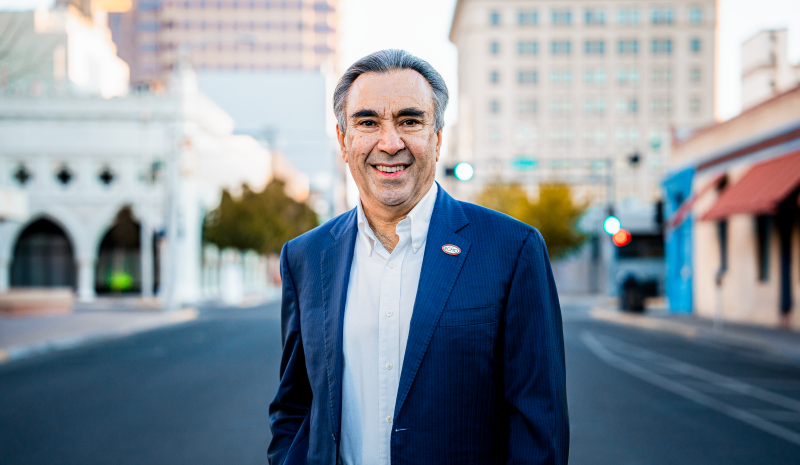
(368, 123)
(410, 122)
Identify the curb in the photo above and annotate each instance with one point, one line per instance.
(15, 353)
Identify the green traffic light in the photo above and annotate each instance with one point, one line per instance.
(464, 171)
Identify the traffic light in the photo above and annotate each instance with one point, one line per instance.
(621, 238)
(461, 171)
(612, 225)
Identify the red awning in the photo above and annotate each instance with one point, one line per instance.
(682, 212)
(761, 189)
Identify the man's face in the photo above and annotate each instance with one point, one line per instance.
(390, 143)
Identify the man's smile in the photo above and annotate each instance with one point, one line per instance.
(390, 171)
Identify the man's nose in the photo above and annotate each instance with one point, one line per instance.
(390, 141)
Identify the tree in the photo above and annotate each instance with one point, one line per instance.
(555, 215)
(262, 221)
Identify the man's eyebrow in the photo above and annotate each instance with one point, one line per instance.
(364, 114)
(410, 112)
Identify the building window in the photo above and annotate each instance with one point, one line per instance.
(561, 17)
(661, 46)
(106, 176)
(694, 45)
(561, 77)
(594, 77)
(528, 48)
(628, 17)
(595, 107)
(694, 75)
(494, 77)
(563, 47)
(627, 76)
(494, 136)
(560, 107)
(661, 106)
(149, 5)
(64, 175)
(149, 47)
(594, 47)
(628, 47)
(763, 235)
(494, 107)
(695, 15)
(561, 136)
(662, 15)
(527, 77)
(527, 107)
(694, 104)
(528, 18)
(22, 174)
(662, 76)
(494, 48)
(627, 136)
(148, 26)
(494, 18)
(595, 17)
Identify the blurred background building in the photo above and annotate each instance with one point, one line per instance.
(587, 95)
(110, 194)
(732, 196)
(267, 63)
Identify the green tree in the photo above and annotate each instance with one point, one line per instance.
(555, 215)
(262, 221)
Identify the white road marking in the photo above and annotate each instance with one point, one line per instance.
(692, 394)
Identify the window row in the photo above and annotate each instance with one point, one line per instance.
(238, 46)
(526, 135)
(594, 106)
(64, 175)
(597, 16)
(597, 47)
(623, 76)
(151, 5)
(153, 26)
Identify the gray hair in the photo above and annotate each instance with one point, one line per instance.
(387, 61)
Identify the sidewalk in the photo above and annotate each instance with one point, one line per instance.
(760, 338)
(22, 337)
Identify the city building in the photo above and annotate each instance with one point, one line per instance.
(63, 50)
(732, 238)
(225, 34)
(580, 92)
(110, 194)
(766, 69)
(250, 55)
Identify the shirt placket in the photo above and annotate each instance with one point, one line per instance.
(389, 340)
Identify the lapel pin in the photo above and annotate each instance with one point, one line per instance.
(450, 249)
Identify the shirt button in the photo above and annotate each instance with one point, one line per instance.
(389, 366)
(416, 245)
(388, 313)
(392, 265)
(389, 419)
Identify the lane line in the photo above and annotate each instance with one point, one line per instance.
(713, 378)
(669, 385)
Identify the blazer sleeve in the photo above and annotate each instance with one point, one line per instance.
(533, 358)
(292, 403)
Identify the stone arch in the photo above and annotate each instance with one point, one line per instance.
(43, 256)
(119, 259)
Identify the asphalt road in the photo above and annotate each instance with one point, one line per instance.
(198, 394)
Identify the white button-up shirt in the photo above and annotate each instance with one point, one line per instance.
(380, 298)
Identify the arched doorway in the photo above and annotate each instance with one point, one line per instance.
(43, 257)
(119, 259)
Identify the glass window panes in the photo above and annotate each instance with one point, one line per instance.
(662, 15)
(595, 16)
(628, 47)
(628, 16)
(494, 77)
(528, 18)
(527, 77)
(561, 17)
(594, 47)
(527, 107)
(494, 48)
(694, 75)
(694, 45)
(528, 48)
(494, 18)
(661, 46)
(561, 77)
(562, 47)
(494, 106)
(695, 15)
(597, 76)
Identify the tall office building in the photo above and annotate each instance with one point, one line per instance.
(225, 35)
(582, 92)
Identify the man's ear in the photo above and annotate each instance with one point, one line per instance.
(439, 138)
(340, 138)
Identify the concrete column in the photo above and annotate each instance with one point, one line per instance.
(5, 274)
(147, 260)
(86, 280)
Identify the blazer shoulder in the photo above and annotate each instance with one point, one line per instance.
(321, 235)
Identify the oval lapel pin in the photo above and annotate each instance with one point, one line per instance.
(450, 249)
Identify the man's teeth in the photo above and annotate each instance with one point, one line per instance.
(390, 169)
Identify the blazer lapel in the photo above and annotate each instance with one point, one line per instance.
(335, 261)
(436, 280)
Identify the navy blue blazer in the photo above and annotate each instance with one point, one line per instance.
(483, 379)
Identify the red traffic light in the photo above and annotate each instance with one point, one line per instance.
(622, 237)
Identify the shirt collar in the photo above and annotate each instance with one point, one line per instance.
(419, 217)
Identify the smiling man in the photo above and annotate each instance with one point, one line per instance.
(417, 329)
